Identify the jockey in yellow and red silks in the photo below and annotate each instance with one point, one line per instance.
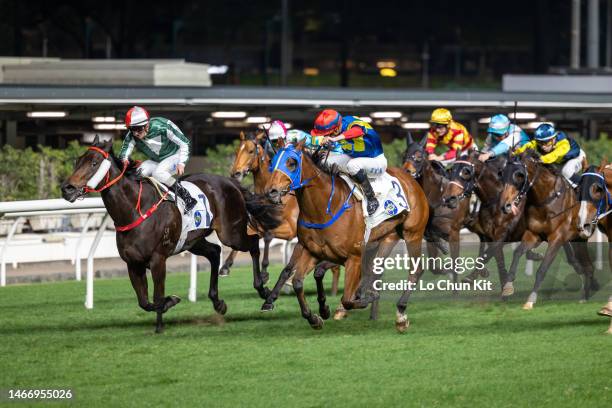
(362, 153)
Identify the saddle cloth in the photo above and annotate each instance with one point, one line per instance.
(391, 200)
(200, 217)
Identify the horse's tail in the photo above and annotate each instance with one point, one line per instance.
(263, 215)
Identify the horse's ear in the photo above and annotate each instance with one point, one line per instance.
(242, 135)
(602, 165)
(409, 139)
(108, 145)
(423, 142)
(96, 140)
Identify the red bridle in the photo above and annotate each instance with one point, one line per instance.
(108, 183)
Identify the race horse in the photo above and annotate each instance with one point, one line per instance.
(553, 213)
(445, 222)
(251, 157)
(341, 239)
(147, 240)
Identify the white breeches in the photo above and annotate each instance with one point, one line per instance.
(373, 166)
(572, 167)
(162, 171)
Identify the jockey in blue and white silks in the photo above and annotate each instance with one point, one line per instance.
(503, 137)
(362, 153)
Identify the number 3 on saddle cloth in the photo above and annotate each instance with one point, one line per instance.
(391, 199)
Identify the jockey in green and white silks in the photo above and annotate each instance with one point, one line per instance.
(165, 146)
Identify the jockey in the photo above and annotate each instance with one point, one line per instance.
(362, 153)
(165, 146)
(276, 132)
(557, 148)
(445, 131)
(502, 137)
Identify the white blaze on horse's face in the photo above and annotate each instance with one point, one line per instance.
(99, 174)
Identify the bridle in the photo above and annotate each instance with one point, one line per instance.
(103, 171)
(466, 188)
(604, 202)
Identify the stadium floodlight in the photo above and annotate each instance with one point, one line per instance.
(229, 115)
(217, 69)
(388, 72)
(416, 125)
(234, 123)
(100, 119)
(109, 126)
(257, 119)
(523, 115)
(48, 114)
(485, 120)
(384, 115)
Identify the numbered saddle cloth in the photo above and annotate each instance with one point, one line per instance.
(391, 200)
(199, 218)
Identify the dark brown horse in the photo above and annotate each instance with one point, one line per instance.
(445, 221)
(493, 226)
(342, 240)
(552, 213)
(149, 244)
(252, 158)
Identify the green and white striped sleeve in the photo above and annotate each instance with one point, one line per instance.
(127, 147)
(176, 136)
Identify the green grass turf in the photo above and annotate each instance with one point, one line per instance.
(460, 353)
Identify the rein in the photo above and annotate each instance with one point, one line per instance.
(108, 183)
(345, 206)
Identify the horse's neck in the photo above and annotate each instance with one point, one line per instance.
(432, 181)
(120, 199)
(488, 186)
(541, 192)
(261, 174)
(313, 198)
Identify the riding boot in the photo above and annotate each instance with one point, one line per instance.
(182, 192)
(361, 178)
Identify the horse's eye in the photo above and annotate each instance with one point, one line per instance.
(596, 191)
(251, 151)
(291, 164)
(94, 163)
(418, 158)
(466, 174)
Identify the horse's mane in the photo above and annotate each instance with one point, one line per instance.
(132, 168)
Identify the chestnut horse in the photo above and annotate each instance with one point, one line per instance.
(553, 214)
(252, 158)
(150, 243)
(595, 186)
(340, 239)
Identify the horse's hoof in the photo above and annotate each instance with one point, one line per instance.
(468, 279)
(508, 289)
(170, 302)
(401, 325)
(605, 312)
(267, 307)
(221, 307)
(265, 294)
(340, 314)
(484, 273)
(528, 306)
(224, 272)
(317, 324)
(325, 313)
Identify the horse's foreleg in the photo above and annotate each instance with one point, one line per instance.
(138, 277)
(553, 247)
(162, 303)
(335, 278)
(413, 245)
(229, 261)
(268, 236)
(258, 282)
(319, 274)
(528, 241)
(305, 264)
(453, 241)
(284, 275)
(212, 252)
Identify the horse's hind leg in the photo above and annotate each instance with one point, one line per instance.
(319, 274)
(212, 252)
(304, 264)
(335, 278)
(258, 281)
(584, 259)
(284, 275)
(162, 303)
(413, 245)
(225, 269)
(138, 277)
(528, 241)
